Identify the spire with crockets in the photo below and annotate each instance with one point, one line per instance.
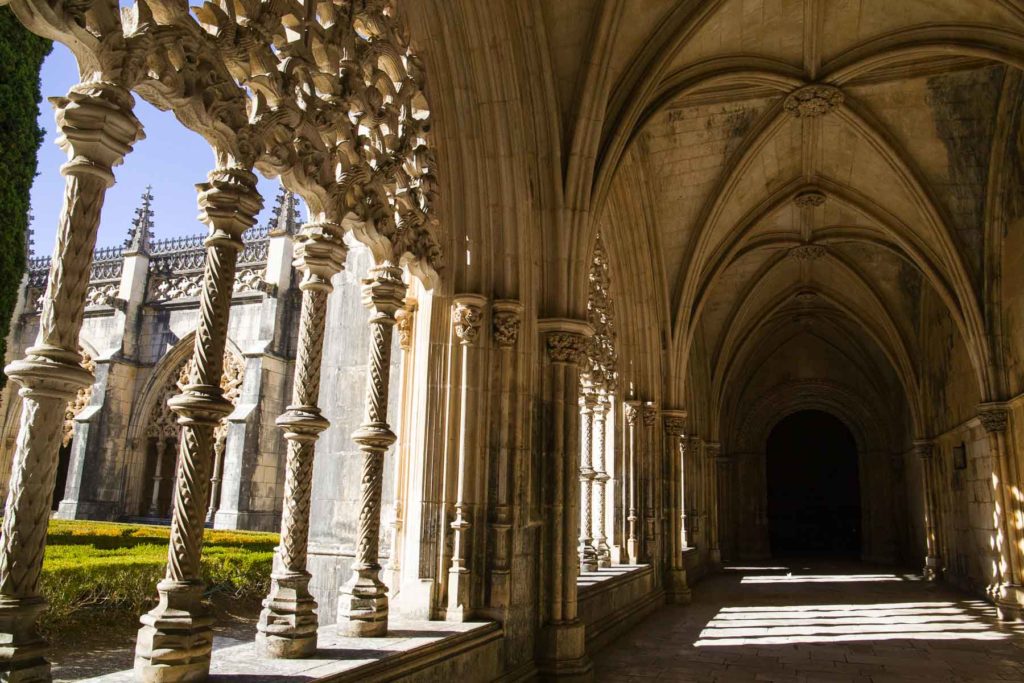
(285, 217)
(140, 236)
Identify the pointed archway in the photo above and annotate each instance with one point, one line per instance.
(813, 487)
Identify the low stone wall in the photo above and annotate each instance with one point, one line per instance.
(613, 600)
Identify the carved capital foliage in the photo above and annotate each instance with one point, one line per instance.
(713, 450)
(994, 417)
(675, 426)
(650, 414)
(567, 347)
(506, 327)
(467, 318)
(813, 100)
(79, 402)
(632, 412)
(602, 358)
(320, 253)
(405, 318)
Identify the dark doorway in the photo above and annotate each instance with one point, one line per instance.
(813, 487)
(63, 465)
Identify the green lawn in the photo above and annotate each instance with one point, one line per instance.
(103, 569)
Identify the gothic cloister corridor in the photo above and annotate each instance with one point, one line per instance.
(818, 620)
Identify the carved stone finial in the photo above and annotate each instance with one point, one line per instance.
(809, 199)
(284, 220)
(140, 235)
(807, 252)
(467, 317)
(924, 448)
(993, 417)
(813, 100)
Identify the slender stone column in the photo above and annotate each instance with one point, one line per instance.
(587, 553)
(631, 409)
(175, 639)
(562, 641)
(158, 477)
(363, 603)
(507, 319)
(1010, 596)
(604, 552)
(695, 517)
(651, 542)
(467, 316)
(713, 450)
(220, 441)
(97, 130)
(678, 590)
(288, 623)
(684, 464)
(405, 325)
(925, 449)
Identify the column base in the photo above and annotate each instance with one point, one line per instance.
(631, 549)
(176, 637)
(363, 606)
(604, 555)
(564, 653)
(1010, 602)
(932, 568)
(22, 650)
(458, 609)
(588, 558)
(288, 623)
(678, 592)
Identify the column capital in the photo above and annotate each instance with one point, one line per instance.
(97, 128)
(994, 416)
(566, 339)
(674, 422)
(384, 290)
(650, 413)
(713, 450)
(507, 319)
(467, 316)
(632, 411)
(228, 203)
(320, 253)
(924, 448)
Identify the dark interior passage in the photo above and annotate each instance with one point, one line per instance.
(813, 487)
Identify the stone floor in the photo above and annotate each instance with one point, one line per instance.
(818, 622)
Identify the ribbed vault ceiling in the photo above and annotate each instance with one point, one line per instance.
(777, 229)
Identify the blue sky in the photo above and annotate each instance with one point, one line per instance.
(172, 159)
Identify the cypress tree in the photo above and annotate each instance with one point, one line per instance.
(21, 53)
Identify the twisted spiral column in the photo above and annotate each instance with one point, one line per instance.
(175, 639)
(363, 604)
(587, 552)
(601, 547)
(467, 316)
(287, 626)
(97, 129)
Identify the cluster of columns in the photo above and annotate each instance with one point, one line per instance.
(594, 550)
(174, 643)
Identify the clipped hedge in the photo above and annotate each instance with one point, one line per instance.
(104, 569)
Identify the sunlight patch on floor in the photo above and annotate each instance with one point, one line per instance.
(827, 578)
(761, 625)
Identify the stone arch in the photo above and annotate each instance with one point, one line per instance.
(153, 433)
